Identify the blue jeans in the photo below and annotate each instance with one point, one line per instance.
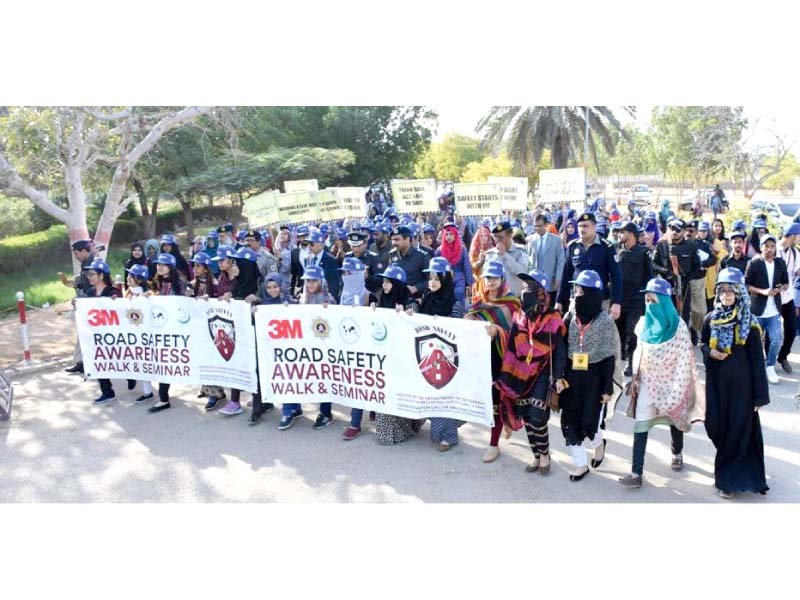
(772, 327)
(355, 417)
(291, 408)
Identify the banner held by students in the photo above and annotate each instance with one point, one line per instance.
(169, 339)
(411, 366)
(261, 209)
(415, 195)
(562, 185)
(300, 185)
(513, 192)
(298, 207)
(328, 205)
(353, 201)
(477, 199)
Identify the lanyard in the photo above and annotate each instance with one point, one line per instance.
(581, 331)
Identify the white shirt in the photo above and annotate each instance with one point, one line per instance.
(789, 256)
(771, 310)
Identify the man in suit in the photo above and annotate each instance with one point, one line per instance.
(317, 256)
(546, 253)
(298, 259)
(766, 277)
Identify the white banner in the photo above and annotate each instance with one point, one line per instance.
(300, 185)
(411, 366)
(169, 339)
(298, 207)
(261, 209)
(513, 192)
(415, 195)
(477, 199)
(560, 185)
(328, 206)
(353, 201)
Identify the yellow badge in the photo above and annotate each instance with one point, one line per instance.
(580, 361)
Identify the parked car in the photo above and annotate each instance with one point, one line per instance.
(687, 202)
(640, 194)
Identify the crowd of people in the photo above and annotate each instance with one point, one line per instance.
(577, 305)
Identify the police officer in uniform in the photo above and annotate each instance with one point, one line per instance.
(590, 251)
(637, 270)
(82, 251)
(358, 243)
(675, 244)
(412, 260)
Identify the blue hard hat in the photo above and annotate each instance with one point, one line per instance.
(650, 215)
(658, 286)
(98, 264)
(794, 229)
(168, 238)
(341, 233)
(617, 225)
(739, 224)
(166, 259)
(759, 224)
(139, 271)
(351, 263)
(406, 220)
(494, 268)
(302, 230)
(224, 252)
(313, 272)
(588, 279)
(245, 253)
(201, 258)
(414, 228)
(324, 229)
(387, 229)
(316, 237)
(366, 225)
(704, 226)
(730, 275)
(428, 228)
(438, 264)
(631, 202)
(213, 234)
(536, 275)
(394, 272)
(486, 222)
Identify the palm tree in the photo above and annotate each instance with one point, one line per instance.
(529, 130)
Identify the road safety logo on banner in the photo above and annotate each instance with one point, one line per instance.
(223, 331)
(437, 359)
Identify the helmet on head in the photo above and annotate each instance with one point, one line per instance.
(394, 272)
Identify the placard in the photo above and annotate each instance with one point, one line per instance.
(353, 201)
(513, 192)
(415, 195)
(328, 205)
(560, 185)
(300, 185)
(298, 207)
(477, 199)
(261, 209)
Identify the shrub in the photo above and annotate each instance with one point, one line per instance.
(126, 230)
(23, 251)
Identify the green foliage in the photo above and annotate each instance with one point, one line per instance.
(783, 180)
(126, 230)
(447, 160)
(23, 251)
(18, 217)
(479, 171)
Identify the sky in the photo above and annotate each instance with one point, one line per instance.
(462, 118)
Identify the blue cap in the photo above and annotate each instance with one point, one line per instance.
(98, 264)
(704, 226)
(759, 224)
(631, 202)
(730, 275)
(166, 259)
(341, 233)
(324, 229)
(315, 237)
(616, 225)
(739, 224)
(794, 229)
(201, 258)
(313, 272)
(438, 264)
(588, 279)
(384, 228)
(766, 238)
(240, 236)
(486, 222)
(168, 238)
(224, 252)
(394, 272)
(428, 228)
(738, 233)
(245, 253)
(351, 263)
(493, 268)
(213, 234)
(536, 275)
(658, 286)
(302, 230)
(139, 271)
(650, 215)
(587, 216)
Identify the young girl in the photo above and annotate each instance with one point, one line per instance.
(137, 256)
(167, 282)
(101, 286)
(456, 254)
(315, 291)
(169, 245)
(151, 252)
(136, 285)
(481, 243)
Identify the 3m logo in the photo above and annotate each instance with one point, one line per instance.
(100, 318)
(281, 329)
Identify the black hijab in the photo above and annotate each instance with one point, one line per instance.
(136, 261)
(398, 295)
(439, 303)
(246, 281)
(589, 305)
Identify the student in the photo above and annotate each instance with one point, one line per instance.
(101, 286)
(167, 282)
(136, 285)
(169, 245)
(137, 256)
(151, 254)
(453, 249)
(315, 291)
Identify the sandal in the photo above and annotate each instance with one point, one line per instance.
(545, 469)
(533, 467)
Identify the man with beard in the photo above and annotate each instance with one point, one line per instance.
(738, 259)
(636, 270)
(382, 245)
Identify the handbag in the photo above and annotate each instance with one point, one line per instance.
(552, 394)
(632, 391)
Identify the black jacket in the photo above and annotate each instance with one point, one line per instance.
(688, 260)
(736, 263)
(756, 276)
(637, 270)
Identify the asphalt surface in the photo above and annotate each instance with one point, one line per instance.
(59, 447)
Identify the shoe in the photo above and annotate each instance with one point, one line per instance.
(786, 366)
(533, 467)
(322, 421)
(131, 384)
(507, 432)
(254, 418)
(579, 477)
(103, 399)
(544, 469)
(677, 462)
(351, 433)
(76, 368)
(772, 376)
(287, 420)
(694, 337)
(144, 398)
(158, 407)
(597, 463)
(632, 480)
(212, 403)
(231, 408)
(491, 454)
(372, 415)
(267, 408)
(725, 495)
(628, 370)
(445, 446)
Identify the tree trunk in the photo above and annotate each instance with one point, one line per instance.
(236, 212)
(188, 216)
(210, 201)
(148, 217)
(560, 153)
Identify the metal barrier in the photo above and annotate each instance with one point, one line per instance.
(6, 397)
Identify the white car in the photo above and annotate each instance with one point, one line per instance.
(640, 194)
(781, 213)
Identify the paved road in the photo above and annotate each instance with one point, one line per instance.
(61, 448)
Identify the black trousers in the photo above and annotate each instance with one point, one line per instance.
(105, 387)
(628, 317)
(640, 445)
(789, 329)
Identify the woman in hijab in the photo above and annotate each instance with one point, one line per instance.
(664, 215)
(151, 253)
(272, 291)
(440, 300)
(736, 387)
(534, 360)
(169, 245)
(456, 254)
(570, 231)
(497, 306)
(204, 286)
(283, 252)
(592, 345)
(137, 256)
(481, 244)
(354, 284)
(664, 377)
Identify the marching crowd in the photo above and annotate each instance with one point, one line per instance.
(577, 307)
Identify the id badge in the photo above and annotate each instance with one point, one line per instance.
(580, 361)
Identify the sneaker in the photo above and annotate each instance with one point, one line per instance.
(632, 480)
(231, 408)
(212, 403)
(105, 398)
(254, 419)
(693, 336)
(144, 398)
(351, 433)
(725, 495)
(159, 407)
(266, 408)
(445, 446)
(287, 420)
(628, 370)
(76, 368)
(772, 376)
(677, 462)
(322, 421)
(786, 366)
(131, 384)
